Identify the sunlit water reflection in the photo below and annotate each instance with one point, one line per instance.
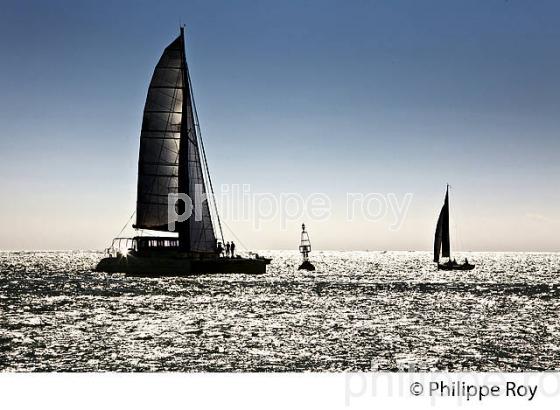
(358, 308)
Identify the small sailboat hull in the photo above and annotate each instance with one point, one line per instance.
(455, 266)
(176, 266)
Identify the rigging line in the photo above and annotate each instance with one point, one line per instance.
(197, 125)
(211, 186)
(457, 242)
(452, 225)
(126, 224)
(236, 237)
(458, 220)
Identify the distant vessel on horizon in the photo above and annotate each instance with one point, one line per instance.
(172, 160)
(442, 242)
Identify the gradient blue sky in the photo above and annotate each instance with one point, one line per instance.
(301, 96)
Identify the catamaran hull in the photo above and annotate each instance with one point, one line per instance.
(161, 266)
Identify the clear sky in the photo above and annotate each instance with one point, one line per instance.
(293, 96)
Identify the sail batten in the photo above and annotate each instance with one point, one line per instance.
(169, 160)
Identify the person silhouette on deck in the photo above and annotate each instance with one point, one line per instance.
(220, 249)
(227, 249)
(232, 247)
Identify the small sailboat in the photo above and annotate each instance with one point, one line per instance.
(442, 242)
(172, 162)
(305, 249)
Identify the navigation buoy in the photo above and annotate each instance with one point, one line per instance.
(304, 249)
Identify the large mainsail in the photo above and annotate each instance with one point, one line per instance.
(170, 161)
(442, 241)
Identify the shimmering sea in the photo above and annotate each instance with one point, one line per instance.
(358, 311)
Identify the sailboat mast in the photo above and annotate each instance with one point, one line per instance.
(446, 243)
(184, 228)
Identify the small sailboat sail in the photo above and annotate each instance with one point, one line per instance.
(442, 241)
(170, 160)
(305, 249)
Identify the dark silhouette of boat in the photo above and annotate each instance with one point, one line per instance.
(442, 242)
(305, 249)
(172, 161)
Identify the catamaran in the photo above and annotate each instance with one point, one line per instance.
(172, 161)
(442, 242)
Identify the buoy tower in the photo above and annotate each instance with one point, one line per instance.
(304, 249)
